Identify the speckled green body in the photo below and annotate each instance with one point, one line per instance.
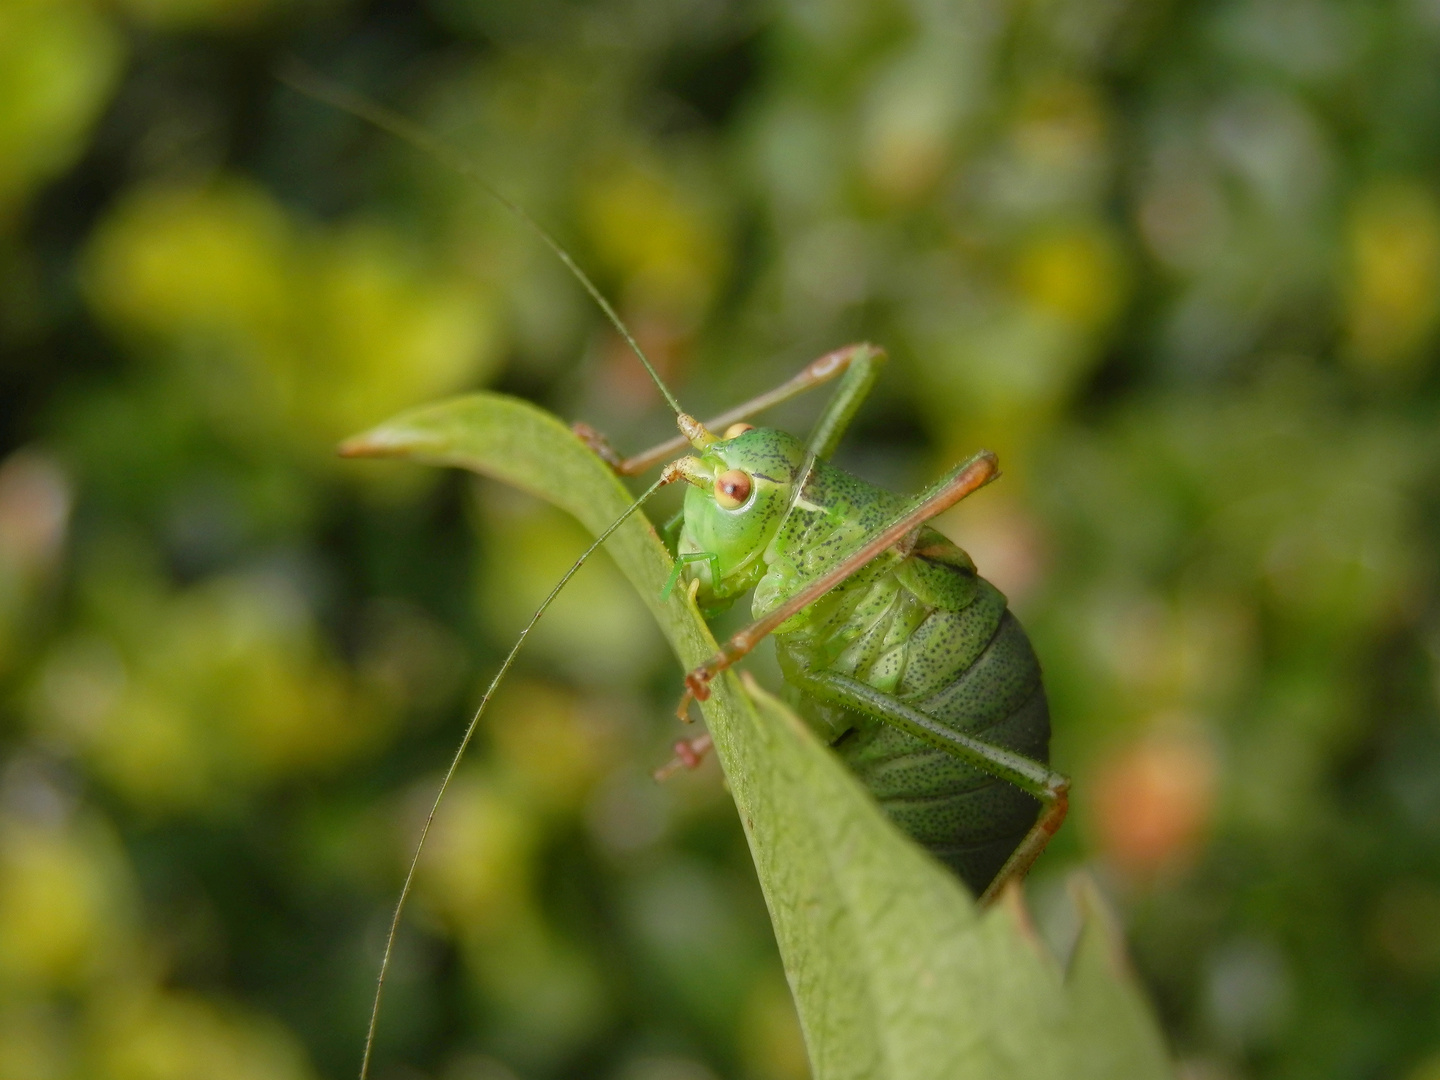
(922, 626)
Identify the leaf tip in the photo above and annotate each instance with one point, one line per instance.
(1012, 902)
(1099, 924)
(377, 442)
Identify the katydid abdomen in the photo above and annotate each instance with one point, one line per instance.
(974, 672)
(916, 623)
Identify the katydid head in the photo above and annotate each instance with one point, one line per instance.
(741, 487)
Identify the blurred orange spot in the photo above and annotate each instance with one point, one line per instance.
(1153, 801)
(34, 509)
(1405, 928)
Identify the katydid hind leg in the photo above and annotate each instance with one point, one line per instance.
(1031, 776)
(961, 481)
(1052, 816)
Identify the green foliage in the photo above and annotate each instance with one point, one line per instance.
(1177, 264)
(896, 975)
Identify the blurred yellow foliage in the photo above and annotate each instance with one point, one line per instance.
(59, 60)
(547, 995)
(388, 333)
(201, 695)
(139, 1034)
(329, 329)
(770, 1037)
(597, 628)
(1393, 288)
(1011, 356)
(193, 14)
(66, 903)
(1012, 365)
(908, 123)
(477, 873)
(658, 235)
(177, 260)
(552, 743)
(1075, 274)
(476, 866)
(36, 1044)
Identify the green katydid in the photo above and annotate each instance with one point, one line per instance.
(894, 650)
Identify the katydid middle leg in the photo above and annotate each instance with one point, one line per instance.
(689, 753)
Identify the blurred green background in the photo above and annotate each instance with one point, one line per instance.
(1179, 263)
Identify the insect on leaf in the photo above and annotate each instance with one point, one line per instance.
(896, 974)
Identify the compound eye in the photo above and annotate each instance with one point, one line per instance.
(736, 430)
(732, 488)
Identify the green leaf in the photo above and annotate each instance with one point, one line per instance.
(896, 974)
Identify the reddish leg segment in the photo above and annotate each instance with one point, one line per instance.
(689, 753)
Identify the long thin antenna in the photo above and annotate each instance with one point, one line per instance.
(297, 76)
(460, 752)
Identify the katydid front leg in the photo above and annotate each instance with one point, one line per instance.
(860, 363)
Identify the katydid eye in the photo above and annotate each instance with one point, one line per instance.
(732, 488)
(734, 431)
